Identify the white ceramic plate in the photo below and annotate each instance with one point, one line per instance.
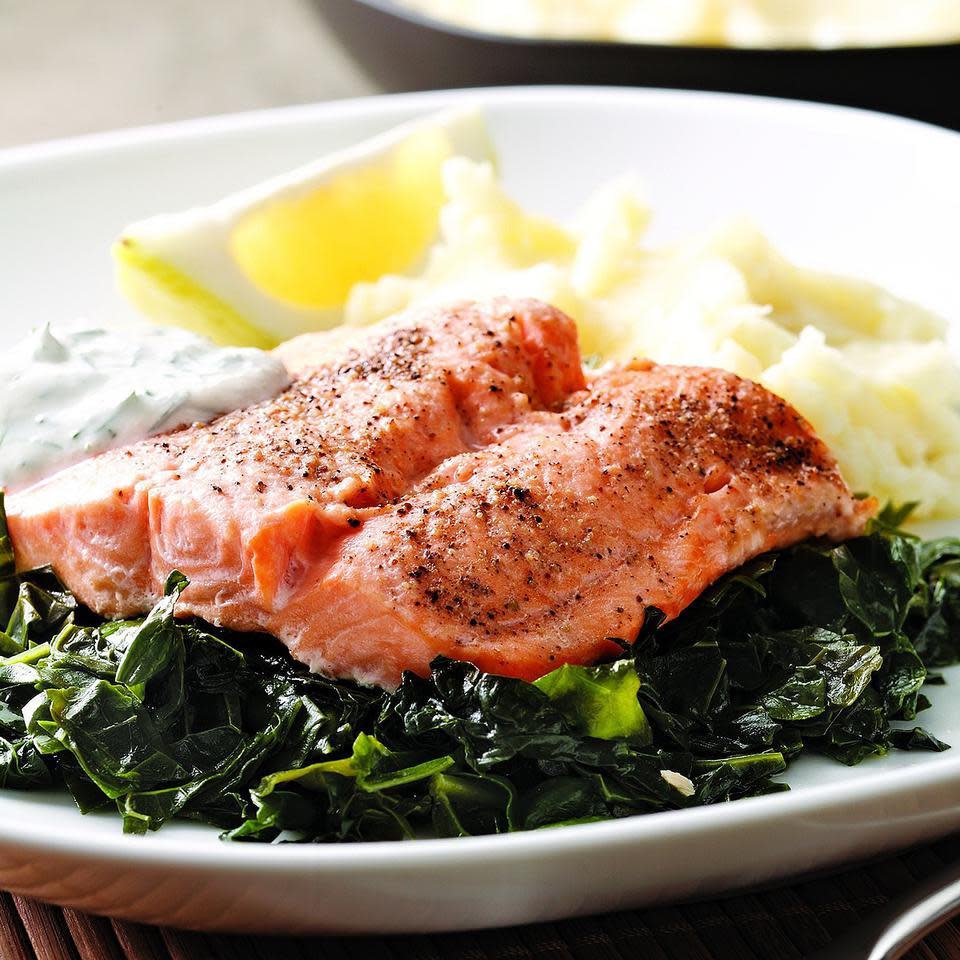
(852, 191)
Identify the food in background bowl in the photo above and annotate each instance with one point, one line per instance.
(403, 48)
(736, 23)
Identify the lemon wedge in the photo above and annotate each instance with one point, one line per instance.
(278, 259)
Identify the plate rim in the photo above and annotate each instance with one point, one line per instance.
(212, 125)
(179, 850)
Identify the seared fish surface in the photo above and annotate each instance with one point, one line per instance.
(448, 484)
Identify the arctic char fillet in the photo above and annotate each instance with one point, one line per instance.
(448, 485)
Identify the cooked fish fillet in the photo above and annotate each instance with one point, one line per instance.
(451, 485)
(540, 547)
(221, 501)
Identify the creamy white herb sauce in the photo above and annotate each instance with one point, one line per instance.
(67, 394)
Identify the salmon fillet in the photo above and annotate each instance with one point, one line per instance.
(539, 548)
(245, 504)
(451, 486)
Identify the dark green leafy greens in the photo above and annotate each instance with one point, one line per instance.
(819, 648)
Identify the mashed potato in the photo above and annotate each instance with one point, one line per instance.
(745, 23)
(871, 372)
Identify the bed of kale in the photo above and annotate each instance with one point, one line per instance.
(818, 648)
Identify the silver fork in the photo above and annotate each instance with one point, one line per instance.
(894, 928)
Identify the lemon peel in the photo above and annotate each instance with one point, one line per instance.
(278, 259)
